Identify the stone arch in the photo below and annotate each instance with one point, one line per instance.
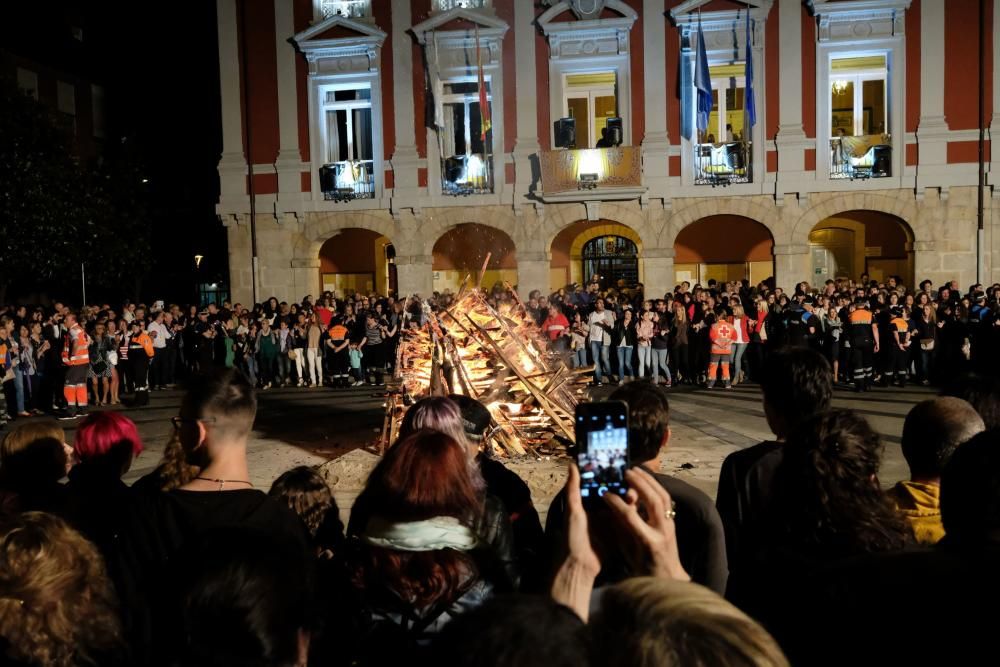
(881, 244)
(744, 207)
(320, 228)
(604, 229)
(463, 249)
(444, 220)
(565, 249)
(724, 247)
(559, 217)
(903, 208)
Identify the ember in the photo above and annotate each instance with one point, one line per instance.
(499, 357)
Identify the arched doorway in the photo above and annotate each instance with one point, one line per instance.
(461, 252)
(358, 260)
(603, 248)
(852, 243)
(724, 248)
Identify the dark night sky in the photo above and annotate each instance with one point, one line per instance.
(158, 62)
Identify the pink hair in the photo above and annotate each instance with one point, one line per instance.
(101, 432)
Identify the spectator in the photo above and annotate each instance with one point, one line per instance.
(932, 431)
(797, 384)
(57, 606)
(34, 457)
(600, 324)
(982, 392)
(306, 493)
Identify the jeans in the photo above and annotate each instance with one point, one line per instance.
(579, 358)
(736, 359)
(284, 367)
(645, 356)
(925, 358)
(661, 360)
(251, 369)
(18, 388)
(314, 366)
(625, 361)
(602, 358)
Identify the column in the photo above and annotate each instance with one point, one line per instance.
(415, 275)
(289, 163)
(305, 277)
(658, 271)
(932, 128)
(532, 273)
(526, 142)
(656, 143)
(791, 138)
(240, 269)
(995, 120)
(233, 164)
(791, 265)
(404, 156)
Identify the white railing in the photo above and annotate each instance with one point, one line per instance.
(445, 5)
(861, 157)
(467, 175)
(723, 164)
(347, 180)
(349, 8)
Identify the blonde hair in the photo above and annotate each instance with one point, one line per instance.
(738, 311)
(57, 606)
(23, 436)
(651, 622)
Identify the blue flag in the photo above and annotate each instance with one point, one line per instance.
(702, 82)
(749, 104)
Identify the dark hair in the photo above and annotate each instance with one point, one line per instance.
(797, 383)
(982, 391)
(933, 430)
(524, 630)
(241, 597)
(307, 494)
(970, 492)
(827, 498)
(648, 418)
(226, 396)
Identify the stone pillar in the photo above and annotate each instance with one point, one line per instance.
(233, 164)
(791, 138)
(305, 277)
(289, 162)
(532, 273)
(405, 160)
(656, 143)
(415, 275)
(526, 143)
(932, 128)
(791, 265)
(240, 269)
(657, 271)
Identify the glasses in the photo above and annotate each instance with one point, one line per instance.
(179, 422)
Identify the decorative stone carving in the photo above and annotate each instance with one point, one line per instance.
(865, 19)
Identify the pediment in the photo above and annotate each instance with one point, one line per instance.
(460, 20)
(852, 20)
(552, 20)
(338, 31)
(717, 14)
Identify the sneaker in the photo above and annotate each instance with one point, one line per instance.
(710, 385)
(67, 416)
(728, 385)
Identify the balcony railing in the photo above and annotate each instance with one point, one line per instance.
(349, 8)
(723, 164)
(347, 180)
(868, 156)
(445, 5)
(467, 175)
(591, 169)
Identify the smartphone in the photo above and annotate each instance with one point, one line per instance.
(602, 448)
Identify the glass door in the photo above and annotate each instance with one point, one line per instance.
(590, 98)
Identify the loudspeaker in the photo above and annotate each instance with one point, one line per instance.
(327, 178)
(565, 131)
(454, 168)
(882, 164)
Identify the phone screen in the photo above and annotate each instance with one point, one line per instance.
(602, 448)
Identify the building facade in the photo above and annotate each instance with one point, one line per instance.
(406, 144)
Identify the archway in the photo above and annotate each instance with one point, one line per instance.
(852, 243)
(604, 248)
(462, 250)
(357, 260)
(724, 248)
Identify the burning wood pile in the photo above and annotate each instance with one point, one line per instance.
(500, 357)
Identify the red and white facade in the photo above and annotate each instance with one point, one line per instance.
(864, 157)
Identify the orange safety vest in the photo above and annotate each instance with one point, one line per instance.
(146, 342)
(75, 349)
(722, 336)
(338, 332)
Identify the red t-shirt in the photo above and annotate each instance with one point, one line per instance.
(555, 326)
(324, 315)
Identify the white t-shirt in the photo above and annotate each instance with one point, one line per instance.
(597, 333)
(162, 334)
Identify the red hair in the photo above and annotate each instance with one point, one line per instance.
(101, 433)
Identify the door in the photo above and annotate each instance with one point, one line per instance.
(590, 98)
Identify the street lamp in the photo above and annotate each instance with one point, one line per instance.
(197, 261)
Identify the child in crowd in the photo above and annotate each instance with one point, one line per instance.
(354, 355)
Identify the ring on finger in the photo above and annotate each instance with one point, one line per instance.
(670, 514)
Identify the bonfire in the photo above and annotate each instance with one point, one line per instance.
(500, 357)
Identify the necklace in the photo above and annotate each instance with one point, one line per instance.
(222, 482)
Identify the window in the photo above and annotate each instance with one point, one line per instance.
(348, 8)
(348, 172)
(860, 139)
(611, 259)
(27, 81)
(723, 153)
(468, 159)
(445, 5)
(590, 98)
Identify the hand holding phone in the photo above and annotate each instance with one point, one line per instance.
(602, 449)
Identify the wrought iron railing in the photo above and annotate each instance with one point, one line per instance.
(349, 8)
(467, 175)
(445, 5)
(858, 158)
(723, 164)
(347, 180)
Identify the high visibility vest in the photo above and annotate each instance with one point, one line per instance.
(75, 348)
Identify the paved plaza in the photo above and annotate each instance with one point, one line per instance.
(333, 428)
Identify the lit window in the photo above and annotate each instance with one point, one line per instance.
(724, 153)
(347, 8)
(348, 149)
(445, 5)
(591, 99)
(468, 155)
(860, 137)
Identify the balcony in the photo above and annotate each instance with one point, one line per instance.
(723, 164)
(591, 173)
(463, 175)
(445, 5)
(352, 9)
(861, 158)
(348, 180)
